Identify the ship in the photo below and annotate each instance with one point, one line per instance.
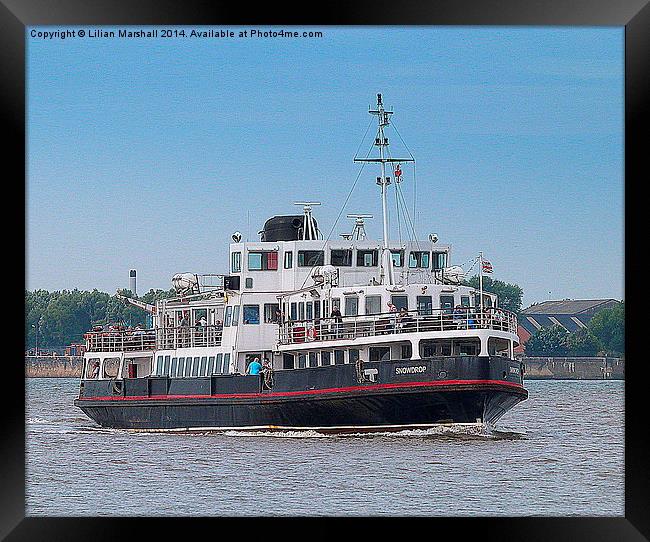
(307, 332)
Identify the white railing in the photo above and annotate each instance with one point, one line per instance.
(120, 341)
(170, 338)
(350, 327)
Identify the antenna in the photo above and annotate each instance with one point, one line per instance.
(309, 229)
(381, 141)
(359, 230)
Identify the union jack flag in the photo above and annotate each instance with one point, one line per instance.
(487, 267)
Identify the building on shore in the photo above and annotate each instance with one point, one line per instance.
(570, 314)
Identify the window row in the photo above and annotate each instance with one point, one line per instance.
(251, 314)
(339, 357)
(319, 359)
(308, 310)
(268, 260)
(188, 366)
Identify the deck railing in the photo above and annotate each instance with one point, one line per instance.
(168, 338)
(120, 341)
(350, 327)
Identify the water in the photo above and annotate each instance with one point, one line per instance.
(559, 453)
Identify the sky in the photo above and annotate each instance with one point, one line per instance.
(147, 153)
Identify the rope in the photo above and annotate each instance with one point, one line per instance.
(363, 164)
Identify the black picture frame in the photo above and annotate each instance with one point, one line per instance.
(15, 15)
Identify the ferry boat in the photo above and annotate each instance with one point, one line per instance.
(352, 335)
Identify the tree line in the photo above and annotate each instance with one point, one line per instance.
(62, 317)
(604, 335)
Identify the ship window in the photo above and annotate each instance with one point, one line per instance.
(313, 359)
(235, 315)
(188, 366)
(373, 304)
(270, 313)
(218, 367)
(204, 363)
(287, 361)
(211, 365)
(294, 311)
(446, 301)
(419, 259)
(326, 306)
(235, 265)
(379, 353)
(226, 363)
(336, 303)
(407, 351)
(309, 258)
(262, 261)
(351, 306)
(228, 317)
(464, 301)
(398, 258)
(301, 310)
(254, 261)
(195, 366)
(341, 257)
(439, 260)
(309, 310)
(248, 283)
(316, 309)
(339, 357)
(180, 370)
(166, 366)
(325, 358)
(159, 366)
(367, 258)
(174, 366)
(302, 361)
(251, 314)
(425, 304)
(353, 355)
(288, 260)
(400, 301)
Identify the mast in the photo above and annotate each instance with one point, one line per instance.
(383, 116)
(480, 279)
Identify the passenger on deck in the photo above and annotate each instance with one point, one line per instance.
(459, 316)
(254, 367)
(95, 373)
(402, 316)
(338, 321)
(266, 364)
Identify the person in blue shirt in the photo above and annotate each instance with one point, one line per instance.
(254, 367)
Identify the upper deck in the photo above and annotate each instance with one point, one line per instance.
(162, 338)
(387, 324)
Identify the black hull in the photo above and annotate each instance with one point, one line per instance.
(317, 398)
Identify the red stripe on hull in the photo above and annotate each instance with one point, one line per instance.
(307, 392)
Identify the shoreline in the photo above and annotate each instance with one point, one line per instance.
(537, 368)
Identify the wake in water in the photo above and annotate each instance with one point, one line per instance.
(461, 431)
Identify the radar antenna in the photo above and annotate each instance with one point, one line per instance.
(359, 230)
(309, 230)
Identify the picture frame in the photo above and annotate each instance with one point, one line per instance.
(16, 16)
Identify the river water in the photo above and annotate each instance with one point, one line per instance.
(560, 453)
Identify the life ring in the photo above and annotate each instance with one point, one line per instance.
(311, 334)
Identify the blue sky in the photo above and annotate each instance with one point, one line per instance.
(149, 153)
